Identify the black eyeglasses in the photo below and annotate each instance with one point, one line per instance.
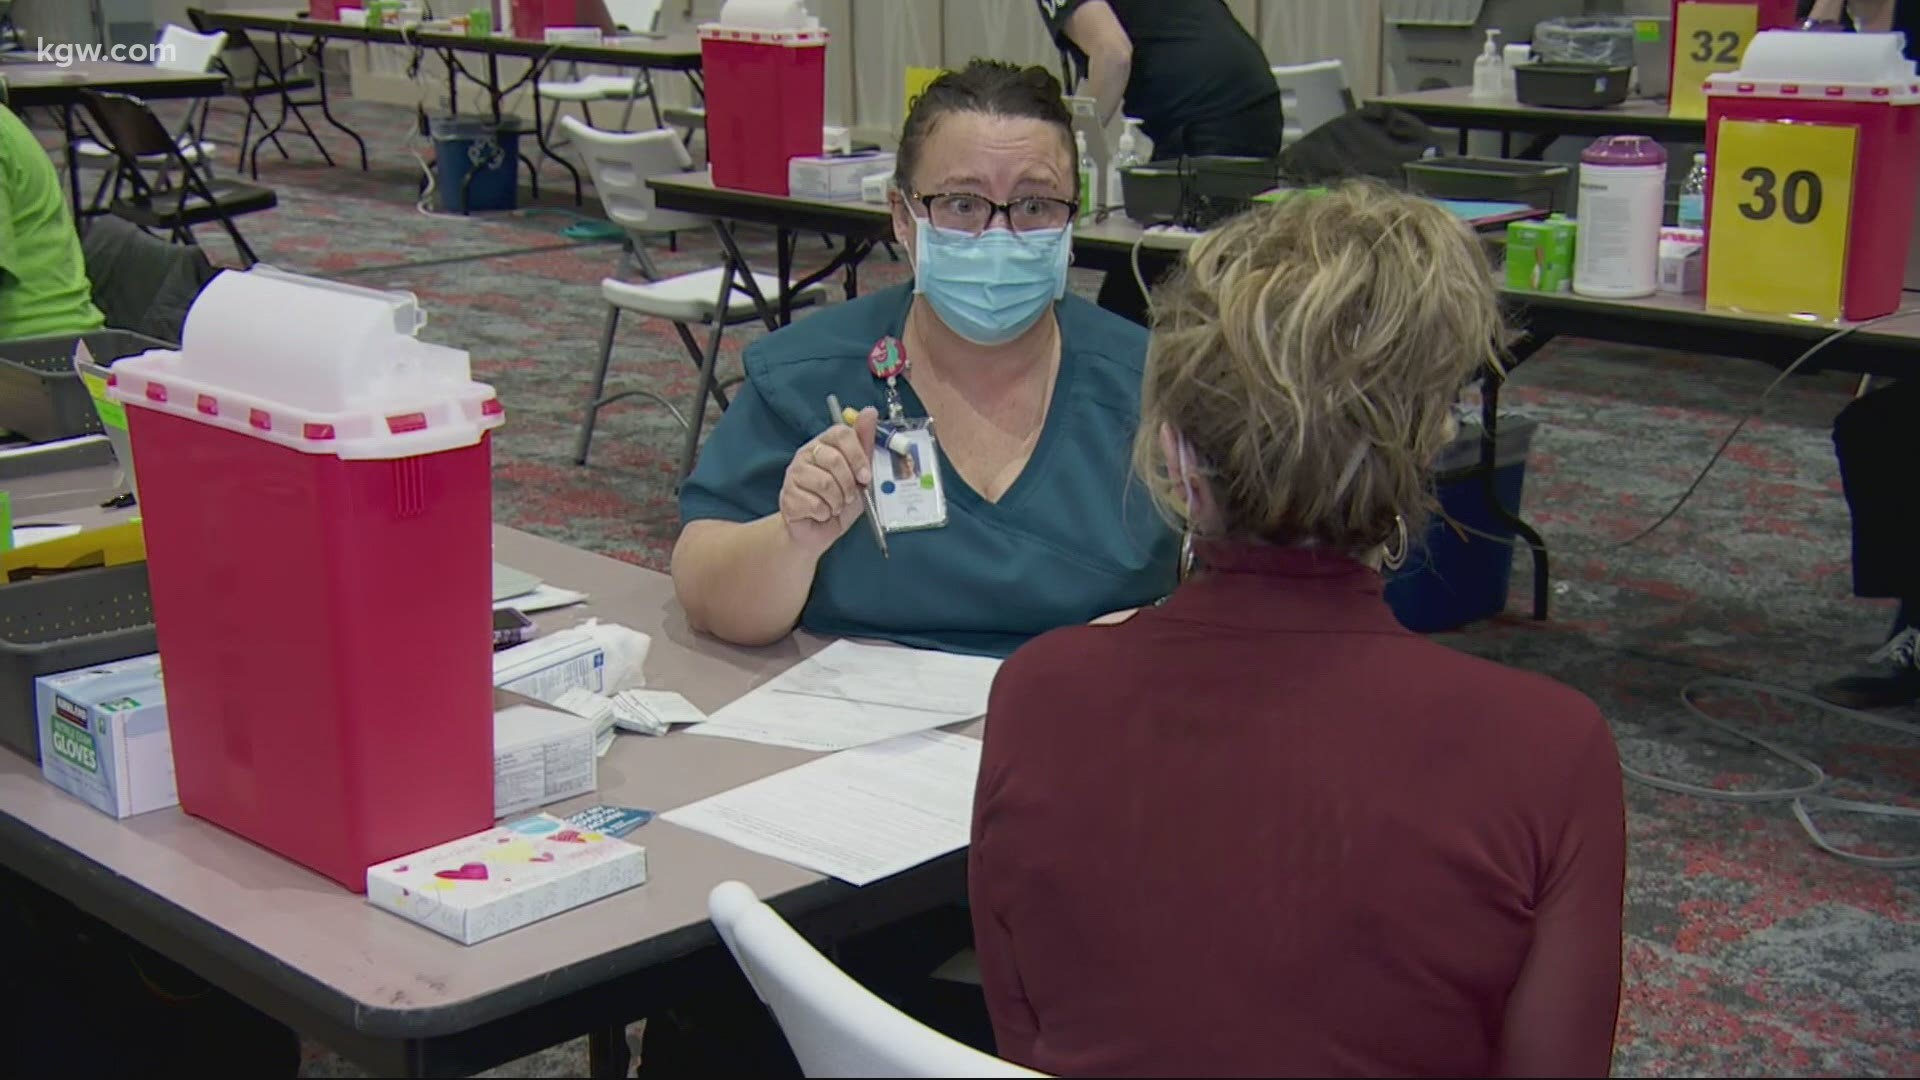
(974, 214)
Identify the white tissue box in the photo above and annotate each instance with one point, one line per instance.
(540, 756)
(836, 179)
(104, 738)
(489, 883)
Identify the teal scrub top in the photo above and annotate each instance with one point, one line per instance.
(1075, 537)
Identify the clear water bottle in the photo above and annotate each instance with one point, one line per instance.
(1693, 196)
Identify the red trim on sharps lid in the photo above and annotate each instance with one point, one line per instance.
(318, 431)
(406, 422)
(260, 418)
(492, 407)
(156, 392)
(207, 405)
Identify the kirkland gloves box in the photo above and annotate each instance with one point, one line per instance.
(486, 884)
(103, 736)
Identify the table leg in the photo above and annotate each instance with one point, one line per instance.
(493, 83)
(547, 150)
(1489, 442)
(1463, 141)
(853, 269)
(747, 280)
(608, 1055)
(1536, 149)
(326, 107)
(783, 244)
(696, 417)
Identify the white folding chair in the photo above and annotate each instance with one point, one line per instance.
(179, 49)
(835, 1026)
(620, 164)
(639, 16)
(1311, 95)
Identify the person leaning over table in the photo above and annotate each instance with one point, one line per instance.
(43, 275)
(1033, 394)
(1262, 829)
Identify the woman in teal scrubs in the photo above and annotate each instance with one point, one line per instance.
(1033, 395)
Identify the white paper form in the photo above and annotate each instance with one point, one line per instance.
(859, 815)
(849, 694)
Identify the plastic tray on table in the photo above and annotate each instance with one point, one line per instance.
(40, 396)
(1540, 184)
(64, 623)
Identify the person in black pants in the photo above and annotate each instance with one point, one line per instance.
(1873, 441)
(1186, 69)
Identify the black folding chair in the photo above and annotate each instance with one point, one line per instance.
(182, 198)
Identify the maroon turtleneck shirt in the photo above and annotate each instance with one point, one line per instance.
(1263, 830)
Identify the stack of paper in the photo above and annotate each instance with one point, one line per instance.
(527, 594)
(859, 815)
(850, 695)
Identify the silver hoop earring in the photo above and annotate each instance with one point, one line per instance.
(1186, 553)
(1390, 557)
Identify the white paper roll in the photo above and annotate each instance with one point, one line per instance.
(1790, 56)
(316, 345)
(764, 14)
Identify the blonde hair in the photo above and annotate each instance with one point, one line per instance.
(1310, 352)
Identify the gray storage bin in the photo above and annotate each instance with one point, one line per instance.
(40, 396)
(1541, 184)
(1571, 86)
(63, 623)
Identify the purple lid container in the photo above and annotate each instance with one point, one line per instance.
(1625, 151)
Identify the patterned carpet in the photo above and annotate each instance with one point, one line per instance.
(1749, 952)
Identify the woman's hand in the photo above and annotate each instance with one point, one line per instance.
(822, 496)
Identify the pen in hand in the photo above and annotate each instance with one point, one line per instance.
(850, 418)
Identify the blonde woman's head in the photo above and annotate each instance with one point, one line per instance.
(1310, 354)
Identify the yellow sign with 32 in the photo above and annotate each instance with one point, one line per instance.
(1782, 211)
(1707, 39)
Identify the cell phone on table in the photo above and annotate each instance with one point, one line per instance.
(510, 628)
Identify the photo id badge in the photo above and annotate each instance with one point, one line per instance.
(907, 485)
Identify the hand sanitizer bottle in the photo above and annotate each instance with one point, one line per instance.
(1089, 199)
(1490, 71)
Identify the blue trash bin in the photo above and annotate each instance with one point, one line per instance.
(477, 163)
(1450, 580)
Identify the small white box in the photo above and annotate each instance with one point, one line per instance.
(486, 884)
(1682, 267)
(104, 738)
(836, 179)
(545, 668)
(540, 756)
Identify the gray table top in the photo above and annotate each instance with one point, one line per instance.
(32, 85)
(1902, 330)
(678, 52)
(387, 977)
(1455, 106)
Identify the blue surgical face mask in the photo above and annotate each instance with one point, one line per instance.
(990, 288)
